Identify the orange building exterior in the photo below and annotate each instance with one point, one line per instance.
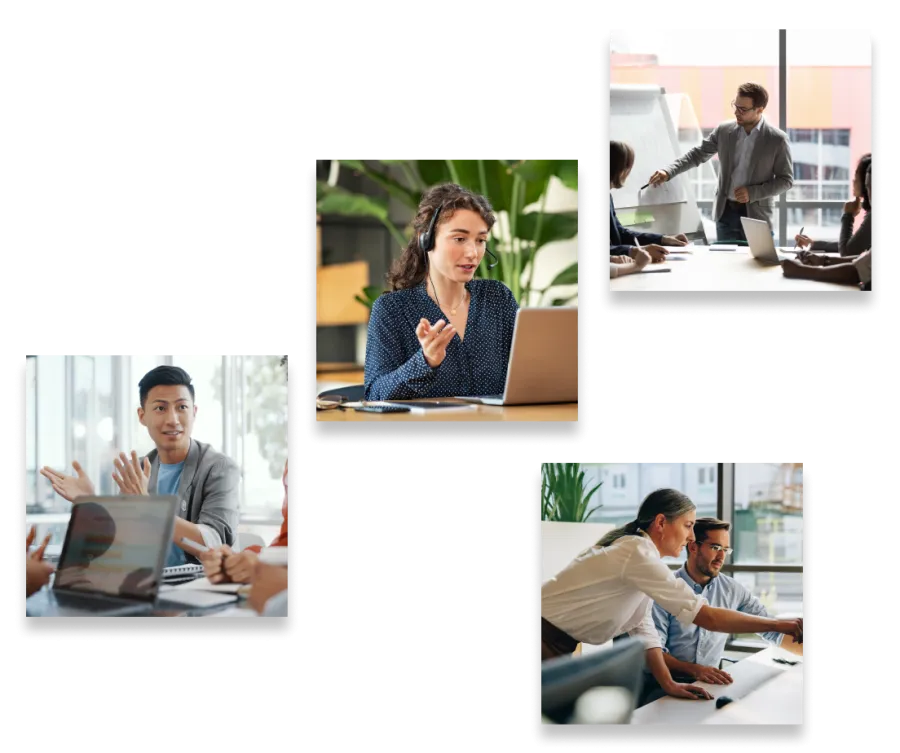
(818, 97)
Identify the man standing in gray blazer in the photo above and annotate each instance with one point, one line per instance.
(755, 164)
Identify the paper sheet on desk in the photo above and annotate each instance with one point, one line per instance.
(203, 584)
(234, 612)
(747, 680)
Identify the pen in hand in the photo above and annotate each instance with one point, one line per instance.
(800, 233)
(644, 186)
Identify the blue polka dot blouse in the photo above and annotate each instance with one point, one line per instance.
(396, 368)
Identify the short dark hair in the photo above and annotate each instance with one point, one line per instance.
(756, 92)
(863, 167)
(703, 526)
(164, 375)
(621, 160)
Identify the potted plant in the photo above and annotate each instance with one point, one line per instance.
(565, 510)
(517, 189)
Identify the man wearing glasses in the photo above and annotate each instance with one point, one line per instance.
(755, 164)
(691, 652)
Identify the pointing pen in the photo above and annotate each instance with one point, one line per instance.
(199, 548)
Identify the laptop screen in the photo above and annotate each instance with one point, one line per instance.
(116, 546)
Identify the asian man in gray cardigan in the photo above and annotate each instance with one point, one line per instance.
(205, 481)
(755, 164)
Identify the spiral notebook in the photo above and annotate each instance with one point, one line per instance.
(180, 573)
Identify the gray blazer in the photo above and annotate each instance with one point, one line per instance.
(208, 492)
(771, 167)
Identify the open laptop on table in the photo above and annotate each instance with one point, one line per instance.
(762, 247)
(112, 561)
(543, 360)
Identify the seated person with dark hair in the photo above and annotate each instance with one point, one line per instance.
(842, 270)
(693, 653)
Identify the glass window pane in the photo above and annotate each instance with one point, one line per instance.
(207, 378)
(780, 593)
(51, 429)
(264, 434)
(619, 504)
(31, 461)
(768, 513)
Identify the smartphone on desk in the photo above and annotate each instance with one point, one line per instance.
(382, 409)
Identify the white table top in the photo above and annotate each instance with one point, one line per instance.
(763, 692)
(705, 270)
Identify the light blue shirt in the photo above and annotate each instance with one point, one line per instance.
(694, 644)
(167, 483)
(743, 152)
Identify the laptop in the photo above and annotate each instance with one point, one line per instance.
(762, 247)
(112, 561)
(543, 360)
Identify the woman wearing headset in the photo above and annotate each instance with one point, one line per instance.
(440, 332)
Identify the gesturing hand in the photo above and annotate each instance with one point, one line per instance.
(434, 340)
(712, 675)
(742, 195)
(69, 487)
(131, 478)
(37, 554)
(658, 178)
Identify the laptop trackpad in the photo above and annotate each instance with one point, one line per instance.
(484, 399)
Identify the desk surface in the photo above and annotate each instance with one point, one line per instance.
(558, 412)
(763, 692)
(705, 270)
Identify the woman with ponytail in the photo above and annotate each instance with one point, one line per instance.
(610, 588)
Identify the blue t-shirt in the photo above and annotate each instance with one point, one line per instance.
(167, 483)
(396, 368)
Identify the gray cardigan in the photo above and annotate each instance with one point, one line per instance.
(850, 244)
(208, 492)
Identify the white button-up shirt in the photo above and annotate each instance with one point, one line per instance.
(606, 591)
(744, 150)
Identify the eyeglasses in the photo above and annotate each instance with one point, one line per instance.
(741, 110)
(716, 548)
(330, 402)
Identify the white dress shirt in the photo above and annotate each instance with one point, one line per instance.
(606, 591)
(743, 152)
(863, 264)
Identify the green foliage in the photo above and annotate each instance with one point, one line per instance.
(564, 497)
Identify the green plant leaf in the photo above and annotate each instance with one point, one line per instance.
(563, 301)
(567, 172)
(433, 171)
(353, 164)
(389, 184)
(337, 200)
(556, 226)
(370, 294)
(569, 276)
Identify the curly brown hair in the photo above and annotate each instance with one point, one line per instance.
(409, 270)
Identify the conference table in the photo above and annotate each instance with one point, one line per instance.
(763, 692)
(705, 268)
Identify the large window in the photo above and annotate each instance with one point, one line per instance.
(625, 485)
(768, 514)
(764, 504)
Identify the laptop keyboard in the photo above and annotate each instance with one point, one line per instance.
(71, 600)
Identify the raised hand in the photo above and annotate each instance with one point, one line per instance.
(69, 487)
(853, 206)
(131, 477)
(434, 340)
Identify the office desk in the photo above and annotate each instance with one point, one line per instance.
(705, 270)
(556, 412)
(763, 692)
(241, 608)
